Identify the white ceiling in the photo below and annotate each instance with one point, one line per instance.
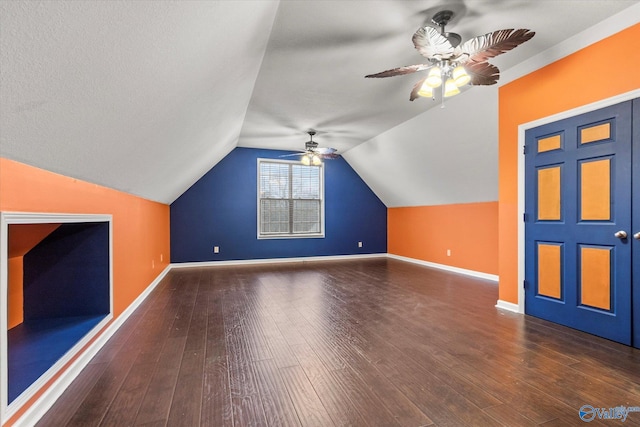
(146, 96)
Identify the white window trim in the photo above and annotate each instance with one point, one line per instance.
(319, 235)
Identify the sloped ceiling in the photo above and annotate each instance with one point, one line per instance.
(444, 156)
(146, 96)
(140, 96)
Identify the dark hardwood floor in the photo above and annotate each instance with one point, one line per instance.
(366, 342)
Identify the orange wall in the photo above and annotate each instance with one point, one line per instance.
(140, 227)
(469, 230)
(15, 307)
(22, 238)
(560, 86)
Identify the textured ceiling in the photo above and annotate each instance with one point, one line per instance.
(146, 96)
(141, 96)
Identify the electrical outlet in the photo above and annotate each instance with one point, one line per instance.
(448, 252)
(153, 264)
(161, 257)
(216, 249)
(359, 244)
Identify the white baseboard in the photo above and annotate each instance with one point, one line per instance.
(473, 273)
(51, 394)
(509, 306)
(274, 260)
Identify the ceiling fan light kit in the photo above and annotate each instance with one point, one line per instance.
(453, 63)
(460, 76)
(311, 159)
(425, 91)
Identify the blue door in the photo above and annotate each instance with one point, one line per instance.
(636, 224)
(578, 234)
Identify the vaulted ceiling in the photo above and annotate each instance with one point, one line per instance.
(147, 96)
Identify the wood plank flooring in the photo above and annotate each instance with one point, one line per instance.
(376, 342)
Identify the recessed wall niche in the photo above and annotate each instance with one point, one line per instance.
(55, 295)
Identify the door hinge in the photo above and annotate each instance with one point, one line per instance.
(524, 217)
(524, 284)
(524, 149)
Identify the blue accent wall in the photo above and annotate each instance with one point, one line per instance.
(221, 210)
(67, 273)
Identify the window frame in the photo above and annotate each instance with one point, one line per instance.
(290, 235)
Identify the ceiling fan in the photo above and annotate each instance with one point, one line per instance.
(312, 154)
(451, 64)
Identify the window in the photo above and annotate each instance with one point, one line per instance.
(290, 199)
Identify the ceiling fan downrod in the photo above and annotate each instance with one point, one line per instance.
(311, 144)
(441, 19)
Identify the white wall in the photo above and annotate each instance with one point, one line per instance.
(443, 156)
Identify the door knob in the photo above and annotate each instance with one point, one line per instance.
(637, 236)
(621, 234)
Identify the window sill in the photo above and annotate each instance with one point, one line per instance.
(290, 236)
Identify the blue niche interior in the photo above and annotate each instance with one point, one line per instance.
(66, 293)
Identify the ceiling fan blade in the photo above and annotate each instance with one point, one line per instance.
(481, 48)
(325, 150)
(431, 44)
(294, 154)
(482, 73)
(416, 89)
(409, 69)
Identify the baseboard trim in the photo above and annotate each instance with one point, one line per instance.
(509, 306)
(37, 409)
(274, 260)
(473, 273)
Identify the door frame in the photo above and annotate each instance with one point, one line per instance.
(521, 165)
